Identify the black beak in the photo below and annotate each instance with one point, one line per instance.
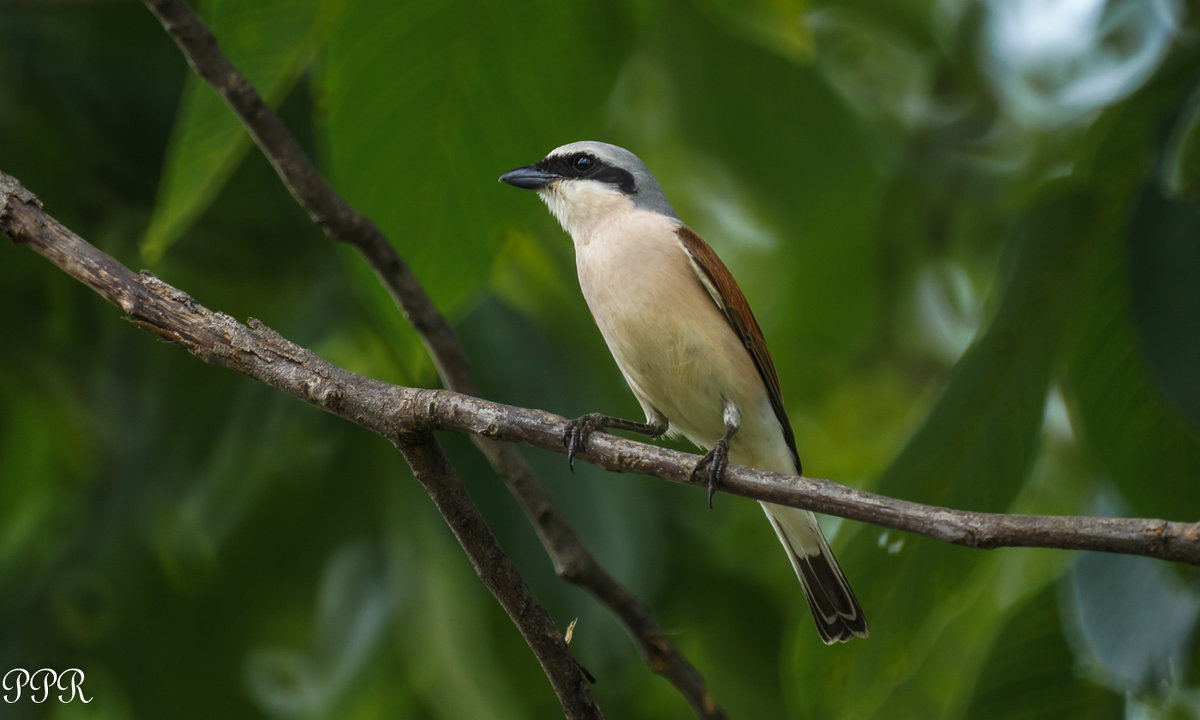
(530, 177)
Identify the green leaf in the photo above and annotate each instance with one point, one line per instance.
(426, 111)
(974, 451)
(1181, 161)
(36, 506)
(1031, 672)
(777, 25)
(271, 42)
(1149, 449)
(1164, 262)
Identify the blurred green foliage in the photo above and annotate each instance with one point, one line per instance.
(970, 230)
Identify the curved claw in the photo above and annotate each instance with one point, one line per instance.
(713, 464)
(576, 435)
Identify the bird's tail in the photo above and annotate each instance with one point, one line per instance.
(837, 612)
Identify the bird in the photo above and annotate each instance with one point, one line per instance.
(687, 344)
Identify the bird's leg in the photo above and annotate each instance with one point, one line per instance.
(578, 430)
(716, 459)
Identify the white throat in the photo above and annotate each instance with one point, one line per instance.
(584, 206)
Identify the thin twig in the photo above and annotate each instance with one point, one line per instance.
(433, 470)
(342, 222)
(391, 410)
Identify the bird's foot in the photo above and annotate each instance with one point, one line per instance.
(578, 430)
(713, 465)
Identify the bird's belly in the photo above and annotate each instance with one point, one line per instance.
(687, 364)
(673, 343)
(671, 369)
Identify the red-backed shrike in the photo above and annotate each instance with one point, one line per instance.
(685, 340)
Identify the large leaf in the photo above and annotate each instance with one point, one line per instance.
(1031, 672)
(1164, 255)
(271, 42)
(1149, 448)
(1128, 380)
(428, 104)
(778, 25)
(974, 451)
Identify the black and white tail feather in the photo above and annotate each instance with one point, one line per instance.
(834, 608)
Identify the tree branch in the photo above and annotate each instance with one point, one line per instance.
(343, 223)
(391, 410)
(1162, 539)
(433, 470)
(266, 356)
(330, 211)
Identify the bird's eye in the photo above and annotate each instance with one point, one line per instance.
(583, 163)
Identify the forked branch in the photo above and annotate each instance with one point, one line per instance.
(343, 223)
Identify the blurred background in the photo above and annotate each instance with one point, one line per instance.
(969, 228)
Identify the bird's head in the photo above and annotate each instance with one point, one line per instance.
(584, 183)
